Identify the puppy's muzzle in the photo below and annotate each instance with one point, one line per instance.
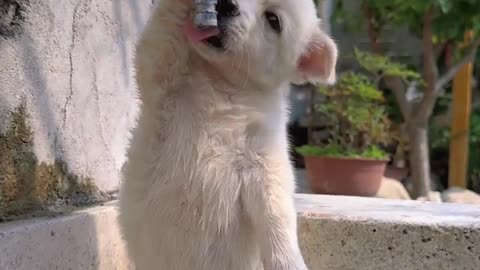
(227, 8)
(226, 11)
(208, 13)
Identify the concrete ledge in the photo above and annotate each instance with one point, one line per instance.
(336, 233)
(84, 240)
(353, 233)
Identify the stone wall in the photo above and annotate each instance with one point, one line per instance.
(67, 95)
(336, 233)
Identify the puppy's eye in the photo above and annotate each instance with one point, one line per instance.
(274, 21)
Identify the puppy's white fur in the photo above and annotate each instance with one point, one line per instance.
(208, 184)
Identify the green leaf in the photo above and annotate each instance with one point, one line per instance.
(377, 64)
(445, 5)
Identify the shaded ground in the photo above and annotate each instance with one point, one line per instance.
(302, 182)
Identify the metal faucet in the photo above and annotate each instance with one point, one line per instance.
(205, 15)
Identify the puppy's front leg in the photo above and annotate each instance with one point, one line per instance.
(269, 203)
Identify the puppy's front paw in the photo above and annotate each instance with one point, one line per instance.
(292, 264)
(299, 265)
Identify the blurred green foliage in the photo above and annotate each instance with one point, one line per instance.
(354, 113)
(440, 138)
(450, 20)
(451, 17)
(382, 66)
(336, 151)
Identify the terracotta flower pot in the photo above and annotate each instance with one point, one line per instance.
(344, 176)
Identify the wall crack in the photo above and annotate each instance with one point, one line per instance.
(70, 56)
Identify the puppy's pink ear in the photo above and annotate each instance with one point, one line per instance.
(317, 64)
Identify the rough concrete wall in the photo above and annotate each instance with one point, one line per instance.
(70, 62)
(27, 185)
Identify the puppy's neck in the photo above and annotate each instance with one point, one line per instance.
(228, 78)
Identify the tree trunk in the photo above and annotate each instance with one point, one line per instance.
(419, 159)
(418, 122)
(324, 13)
(311, 116)
(373, 32)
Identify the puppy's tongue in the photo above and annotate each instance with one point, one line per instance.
(198, 35)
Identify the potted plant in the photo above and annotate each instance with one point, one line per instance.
(350, 160)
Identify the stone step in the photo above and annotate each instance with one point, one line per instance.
(336, 233)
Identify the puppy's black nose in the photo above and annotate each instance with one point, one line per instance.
(228, 8)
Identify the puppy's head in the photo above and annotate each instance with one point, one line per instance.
(270, 41)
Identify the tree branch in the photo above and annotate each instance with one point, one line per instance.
(430, 67)
(373, 31)
(398, 88)
(434, 67)
(450, 74)
(424, 109)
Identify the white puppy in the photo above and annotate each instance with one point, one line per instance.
(208, 184)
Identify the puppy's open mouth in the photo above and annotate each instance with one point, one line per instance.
(216, 41)
(212, 37)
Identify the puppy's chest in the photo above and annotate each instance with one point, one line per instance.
(243, 130)
(213, 128)
(242, 121)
